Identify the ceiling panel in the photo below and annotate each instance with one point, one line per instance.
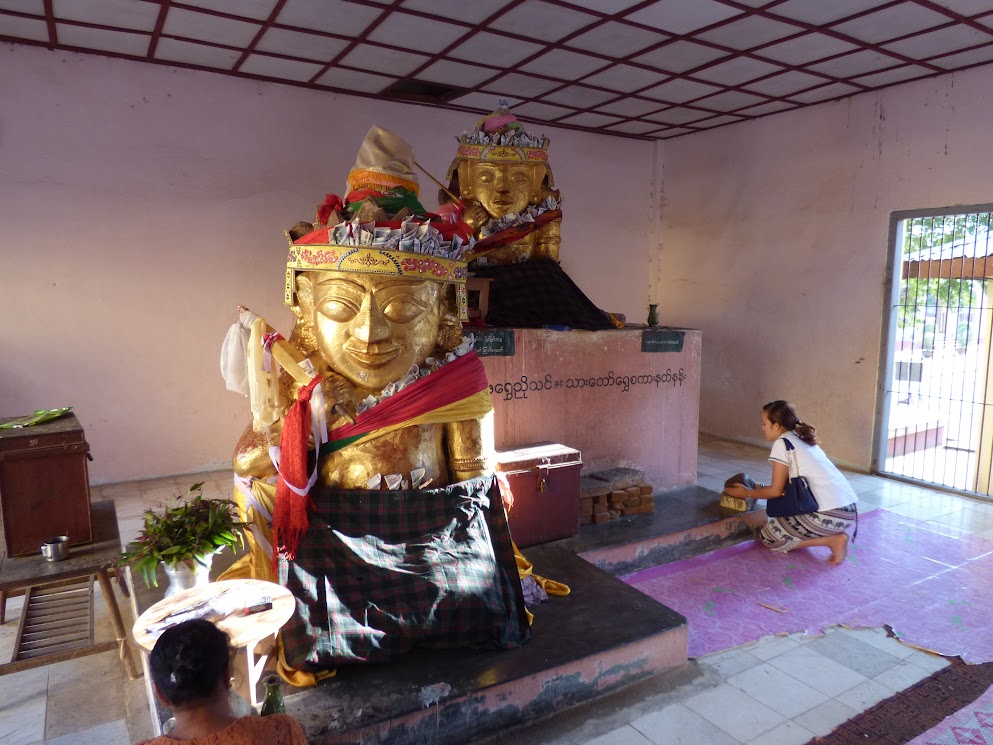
(802, 50)
(749, 32)
(614, 39)
(626, 78)
(276, 67)
(942, 41)
(298, 44)
(257, 9)
(196, 54)
(564, 65)
(119, 42)
(682, 16)
(785, 83)
(540, 20)
(680, 90)
(628, 68)
(493, 49)
(965, 59)
(891, 23)
(119, 13)
(334, 16)
(26, 29)
(819, 12)
(681, 56)
(192, 24)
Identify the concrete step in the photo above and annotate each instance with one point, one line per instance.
(688, 521)
(602, 638)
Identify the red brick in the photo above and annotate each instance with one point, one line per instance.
(601, 517)
(632, 502)
(633, 491)
(646, 488)
(586, 506)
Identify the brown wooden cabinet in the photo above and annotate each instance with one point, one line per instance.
(44, 485)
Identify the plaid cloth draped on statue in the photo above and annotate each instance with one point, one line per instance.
(381, 572)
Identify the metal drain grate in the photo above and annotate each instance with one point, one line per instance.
(55, 618)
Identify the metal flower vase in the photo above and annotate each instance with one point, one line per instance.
(188, 574)
(653, 314)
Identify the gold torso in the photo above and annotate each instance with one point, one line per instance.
(400, 452)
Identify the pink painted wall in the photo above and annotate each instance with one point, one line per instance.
(140, 204)
(774, 243)
(596, 391)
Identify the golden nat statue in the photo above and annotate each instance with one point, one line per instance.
(374, 312)
(365, 475)
(502, 177)
(376, 353)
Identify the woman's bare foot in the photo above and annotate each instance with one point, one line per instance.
(839, 547)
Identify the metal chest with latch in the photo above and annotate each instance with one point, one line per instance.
(544, 483)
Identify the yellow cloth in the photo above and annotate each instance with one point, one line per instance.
(257, 563)
(475, 406)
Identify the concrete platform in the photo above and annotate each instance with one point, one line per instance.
(580, 650)
(603, 637)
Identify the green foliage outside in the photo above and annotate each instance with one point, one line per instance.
(185, 532)
(921, 300)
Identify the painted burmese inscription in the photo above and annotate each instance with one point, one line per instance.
(516, 390)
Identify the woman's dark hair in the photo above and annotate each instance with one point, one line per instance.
(188, 661)
(782, 413)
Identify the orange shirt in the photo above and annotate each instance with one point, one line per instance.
(277, 729)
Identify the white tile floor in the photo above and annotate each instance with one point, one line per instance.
(775, 691)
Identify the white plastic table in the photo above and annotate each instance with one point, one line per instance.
(244, 631)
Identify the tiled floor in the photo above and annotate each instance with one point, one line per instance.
(774, 691)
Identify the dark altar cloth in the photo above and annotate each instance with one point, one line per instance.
(538, 293)
(379, 573)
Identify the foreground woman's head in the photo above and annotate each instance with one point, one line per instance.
(189, 662)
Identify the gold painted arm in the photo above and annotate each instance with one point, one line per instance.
(470, 448)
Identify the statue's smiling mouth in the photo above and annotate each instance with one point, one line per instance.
(372, 355)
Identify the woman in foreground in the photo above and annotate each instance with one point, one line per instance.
(191, 671)
(836, 499)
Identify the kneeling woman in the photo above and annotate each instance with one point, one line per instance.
(836, 499)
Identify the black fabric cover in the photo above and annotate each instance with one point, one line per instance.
(380, 572)
(538, 293)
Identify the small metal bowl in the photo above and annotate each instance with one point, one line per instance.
(56, 549)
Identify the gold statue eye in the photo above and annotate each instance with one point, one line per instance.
(338, 309)
(485, 177)
(519, 177)
(403, 308)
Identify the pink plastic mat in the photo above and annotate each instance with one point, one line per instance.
(932, 585)
(972, 725)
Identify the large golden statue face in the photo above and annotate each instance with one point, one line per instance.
(372, 328)
(501, 188)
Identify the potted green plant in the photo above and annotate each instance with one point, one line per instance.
(184, 538)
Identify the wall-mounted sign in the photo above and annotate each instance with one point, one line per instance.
(661, 340)
(495, 343)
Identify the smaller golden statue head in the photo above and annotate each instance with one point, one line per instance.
(502, 175)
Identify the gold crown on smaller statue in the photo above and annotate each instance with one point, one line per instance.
(499, 138)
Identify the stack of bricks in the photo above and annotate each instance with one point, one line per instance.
(616, 492)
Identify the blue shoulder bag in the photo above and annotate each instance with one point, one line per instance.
(798, 499)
